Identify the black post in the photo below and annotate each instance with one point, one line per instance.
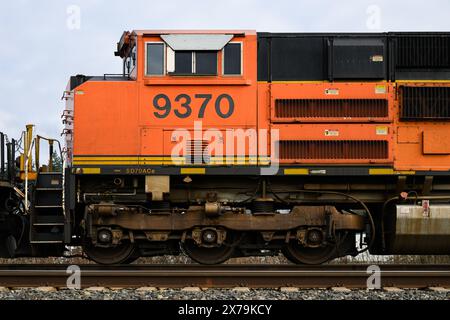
(8, 160)
(50, 161)
(13, 162)
(2, 155)
(11, 153)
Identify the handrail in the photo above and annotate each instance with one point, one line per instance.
(26, 175)
(35, 143)
(2, 156)
(63, 183)
(117, 75)
(66, 94)
(50, 139)
(66, 131)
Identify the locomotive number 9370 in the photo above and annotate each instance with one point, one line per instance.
(223, 105)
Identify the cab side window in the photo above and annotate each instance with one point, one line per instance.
(183, 62)
(206, 62)
(155, 59)
(195, 63)
(232, 56)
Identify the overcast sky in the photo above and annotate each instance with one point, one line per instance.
(42, 45)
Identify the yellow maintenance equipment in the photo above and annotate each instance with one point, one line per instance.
(26, 159)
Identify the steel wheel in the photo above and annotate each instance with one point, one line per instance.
(123, 253)
(210, 255)
(299, 254)
(205, 255)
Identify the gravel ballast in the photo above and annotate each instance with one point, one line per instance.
(221, 294)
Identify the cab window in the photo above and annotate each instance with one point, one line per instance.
(155, 59)
(195, 63)
(232, 64)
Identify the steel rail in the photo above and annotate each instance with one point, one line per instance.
(225, 276)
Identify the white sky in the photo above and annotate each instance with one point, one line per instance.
(39, 52)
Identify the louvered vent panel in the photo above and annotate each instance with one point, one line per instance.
(423, 52)
(425, 103)
(336, 149)
(331, 108)
(197, 152)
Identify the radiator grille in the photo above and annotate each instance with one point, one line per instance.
(331, 108)
(425, 103)
(336, 149)
(423, 52)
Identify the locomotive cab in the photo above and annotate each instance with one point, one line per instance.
(183, 53)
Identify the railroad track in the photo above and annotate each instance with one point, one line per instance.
(255, 276)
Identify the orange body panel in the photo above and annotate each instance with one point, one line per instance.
(106, 119)
(119, 118)
(421, 145)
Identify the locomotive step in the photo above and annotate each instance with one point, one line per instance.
(49, 180)
(48, 221)
(48, 189)
(37, 224)
(54, 206)
(45, 241)
(46, 237)
(49, 173)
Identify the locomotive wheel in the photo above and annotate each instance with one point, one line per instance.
(299, 254)
(123, 253)
(210, 255)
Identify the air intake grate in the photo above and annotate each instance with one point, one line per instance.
(197, 152)
(331, 108)
(423, 52)
(336, 149)
(425, 103)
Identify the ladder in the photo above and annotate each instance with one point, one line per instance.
(47, 220)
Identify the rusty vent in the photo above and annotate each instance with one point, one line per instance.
(425, 103)
(331, 108)
(423, 52)
(336, 149)
(197, 152)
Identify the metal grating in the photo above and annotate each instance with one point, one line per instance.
(331, 108)
(336, 149)
(423, 52)
(197, 152)
(425, 103)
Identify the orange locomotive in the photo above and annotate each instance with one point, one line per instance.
(234, 143)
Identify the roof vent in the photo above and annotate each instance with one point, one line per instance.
(197, 42)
